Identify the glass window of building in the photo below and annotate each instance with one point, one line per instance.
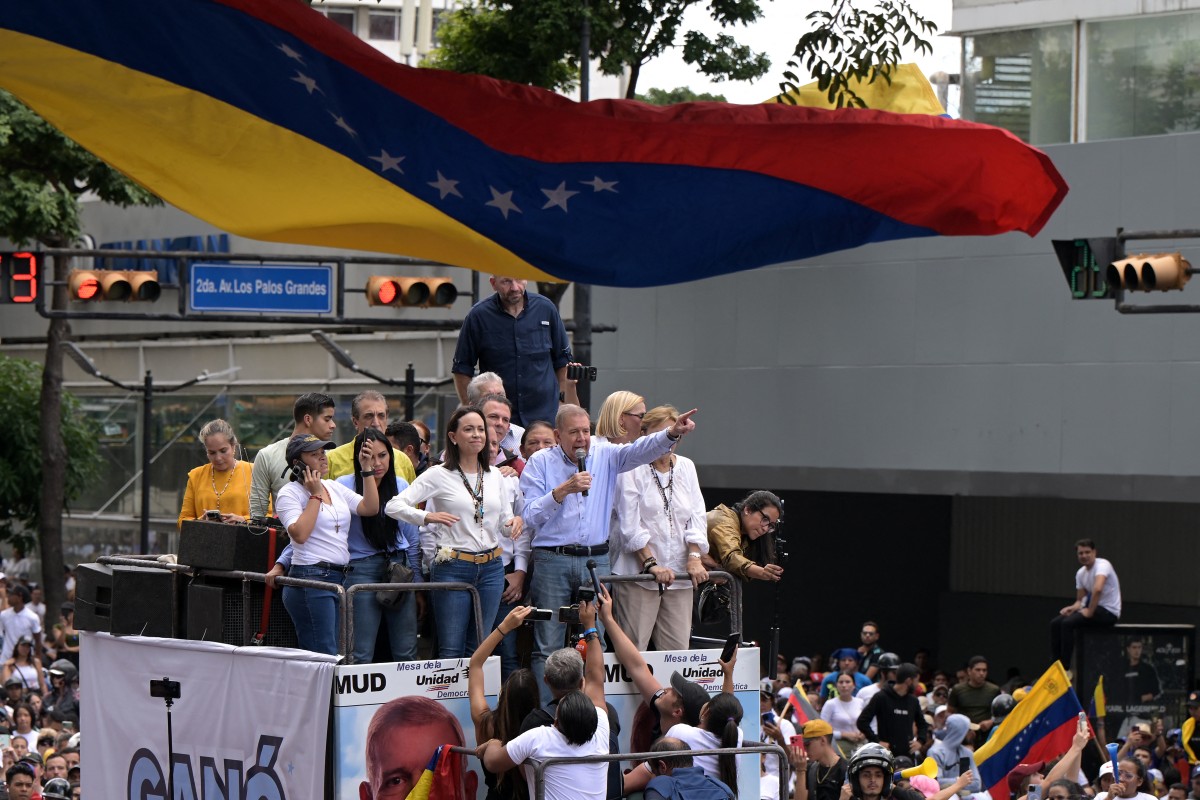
(344, 17)
(1021, 81)
(1143, 75)
(384, 26)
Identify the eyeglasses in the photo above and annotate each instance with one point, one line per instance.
(639, 416)
(770, 523)
(870, 633)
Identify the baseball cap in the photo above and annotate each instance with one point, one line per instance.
(13, 680)
(32, 757)
(1022, 771)
(1193, 699)
(765, 687)
(692, 695)
(1105, 769)
(816, 728)
(305, 443)
(847, 652)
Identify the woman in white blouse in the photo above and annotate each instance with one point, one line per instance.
(472, 512)
(660, 531)
(842, 712)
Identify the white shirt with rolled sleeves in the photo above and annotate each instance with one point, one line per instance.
(579, 520)
(328, 541)
(642, 520)
(442, 489)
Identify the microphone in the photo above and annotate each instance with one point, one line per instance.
(591, 565)
(580, 457)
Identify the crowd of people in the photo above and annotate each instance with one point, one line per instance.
(39, 716)
(527, 499)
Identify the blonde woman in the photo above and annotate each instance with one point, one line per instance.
(661, 531)
(223, 484)
(620, 420)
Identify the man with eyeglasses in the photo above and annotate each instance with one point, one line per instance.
(368, 409)
(739, 538)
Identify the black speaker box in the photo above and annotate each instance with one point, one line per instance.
(214, 545)
(146, 602)
(93, 597)
(215, 596)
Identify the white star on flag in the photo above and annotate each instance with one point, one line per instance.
(502, 201)
(341, 123)
(290, 53)
(599, 185)
(445, 186)
(558, 197)
(308, 83)
(387, 162)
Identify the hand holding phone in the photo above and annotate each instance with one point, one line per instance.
(731, 645)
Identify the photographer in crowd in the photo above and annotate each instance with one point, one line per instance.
(740, 540)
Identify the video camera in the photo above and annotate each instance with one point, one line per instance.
(570, 614)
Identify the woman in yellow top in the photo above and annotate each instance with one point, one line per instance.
(221, 485)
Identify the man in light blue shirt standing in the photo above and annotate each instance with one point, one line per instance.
(569, 509)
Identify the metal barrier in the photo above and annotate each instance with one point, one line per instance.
(477, 606)
(539, 767)
(345, 598)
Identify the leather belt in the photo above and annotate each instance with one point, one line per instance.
(478, 558)
(578, 550)
(342, 568)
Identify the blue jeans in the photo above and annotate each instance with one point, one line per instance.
(452, 611)
(401, 618)
(555, 577)
(314, 612)
(509, 663)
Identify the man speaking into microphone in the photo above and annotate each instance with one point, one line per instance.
(568, 500)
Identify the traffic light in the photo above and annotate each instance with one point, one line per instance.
(1083, 263)
(392, 290)
(87, 285)
(1149, 272)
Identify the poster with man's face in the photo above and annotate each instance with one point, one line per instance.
(1147, 674)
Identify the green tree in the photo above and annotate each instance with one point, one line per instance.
(21, 468)
(681, 94)
(850, 41)
(537, 41)
(42, 175)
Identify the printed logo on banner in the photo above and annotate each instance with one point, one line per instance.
(368, 684)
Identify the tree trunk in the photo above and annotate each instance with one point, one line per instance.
(635, 71)
(54, 455)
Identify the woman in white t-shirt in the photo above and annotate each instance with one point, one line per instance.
(316, 514)
(580, 729)
(472, 512)
(842, 712)
(719, 721)
(1131, 783)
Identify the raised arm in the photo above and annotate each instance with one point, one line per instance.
(627, 653)
(1068, 765)
(475, 688)
(593, 665)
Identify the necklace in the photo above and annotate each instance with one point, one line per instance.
(213, 477)
(667, 493)
(822, 778)
(476, 494)
(337, 525)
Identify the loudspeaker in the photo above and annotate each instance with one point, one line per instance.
(214, 545)
(93, 597)
(145, 602)
(233, 612)
(205, 621)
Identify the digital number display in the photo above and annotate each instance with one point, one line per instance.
(18, 277)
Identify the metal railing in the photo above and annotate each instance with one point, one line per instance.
(540, 766)
(476, 605)
(345, 597)
(734, 583)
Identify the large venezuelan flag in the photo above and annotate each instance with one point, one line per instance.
(267, 120)
(1040, 728)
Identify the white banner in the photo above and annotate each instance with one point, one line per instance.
(250, 723)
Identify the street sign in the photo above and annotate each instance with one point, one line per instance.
(288, 289)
